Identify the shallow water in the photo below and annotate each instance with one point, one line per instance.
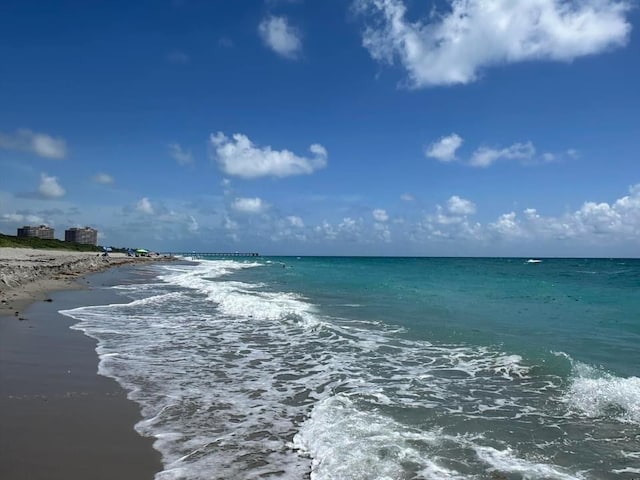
(389, 368)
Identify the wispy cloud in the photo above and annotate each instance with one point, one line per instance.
(41, 144)
(183, 157)
(21, 218)
(240, 157)
(452, 47)
(281, 37)
(485, 156)
(225, 42)
(103, 178)
(178, 57)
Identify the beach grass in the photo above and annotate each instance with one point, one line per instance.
(41, 243)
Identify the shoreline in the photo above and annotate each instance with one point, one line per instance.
(29, 275)
(59, 418)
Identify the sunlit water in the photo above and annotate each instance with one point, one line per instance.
(370, 368)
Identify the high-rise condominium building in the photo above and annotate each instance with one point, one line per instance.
(41, 231)
(86, 235)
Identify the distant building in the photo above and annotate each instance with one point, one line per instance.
(85, 235)
(41, 231)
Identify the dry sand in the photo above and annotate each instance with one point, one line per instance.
(27, 275)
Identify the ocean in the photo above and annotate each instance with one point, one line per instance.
(380, 368)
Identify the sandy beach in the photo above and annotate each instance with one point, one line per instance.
(27, 275)
(58, 417)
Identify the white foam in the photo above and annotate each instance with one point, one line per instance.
(626, 470)
(369, 445)
(507, 461)
(595, 393)
(238, 380)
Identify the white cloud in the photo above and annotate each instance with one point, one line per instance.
(382, 232)
(193, 225)
(460, 206)
(295, 221)
(452, 47)
(281, 37)
(240, 157)
(445, 149)
(145, 206)
(593, 222)
(444, 225)
(507, 226)
(181, 156)
(25, 219)
(103, 178)
(380, 215)
(49, 187)
(249, 205)
(485, 156)
(230, 224)
(41, 144)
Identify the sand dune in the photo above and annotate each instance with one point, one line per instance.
(27, 274)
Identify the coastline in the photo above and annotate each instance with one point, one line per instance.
(28, 275)
(59, 418)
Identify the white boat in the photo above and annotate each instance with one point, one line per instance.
(534, 260)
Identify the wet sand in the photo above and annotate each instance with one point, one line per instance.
(58, 418)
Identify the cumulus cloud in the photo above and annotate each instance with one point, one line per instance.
(240, 157)
(49, 187)
(484, 156)
(41, 144)
(507, 226)
(281, 37)
(600, 224)
(103, 178)
(380, 215)
(445, 148)
(249, 205)
(382, 231)
(295, 221)
(181, 156)
(452, 47)
(460, 206)
(145, 206)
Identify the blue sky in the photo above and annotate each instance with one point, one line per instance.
(370, 127)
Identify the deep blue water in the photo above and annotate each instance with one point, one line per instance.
(390, 368)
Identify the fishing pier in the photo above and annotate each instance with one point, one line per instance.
(199, 255)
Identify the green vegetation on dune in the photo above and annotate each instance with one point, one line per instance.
(40, 243)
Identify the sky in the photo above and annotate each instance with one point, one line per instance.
(337, 127)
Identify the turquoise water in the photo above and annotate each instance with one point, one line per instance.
(390, 368)
(588, 308)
